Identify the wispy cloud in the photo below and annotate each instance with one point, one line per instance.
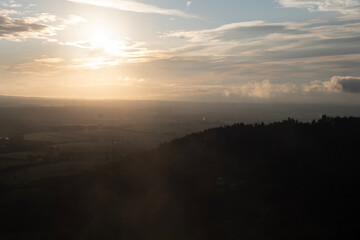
(343, 6)
(38, 67)
(40, 26)
(49, 60)
(133, 6)
(111, 52)
(6, 12)
(239, 31)
(73, 19)
(262, 42)
(264, 89)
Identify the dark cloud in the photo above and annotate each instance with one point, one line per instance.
(351, 85)
(10, 27)
(347, 84)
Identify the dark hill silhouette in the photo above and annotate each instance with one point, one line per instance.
(286, 180)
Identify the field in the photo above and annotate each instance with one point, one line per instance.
(72, 149)
(69, 137)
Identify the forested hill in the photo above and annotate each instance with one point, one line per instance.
(286, 180)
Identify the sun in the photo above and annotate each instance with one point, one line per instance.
(100, 39)
(108, 48)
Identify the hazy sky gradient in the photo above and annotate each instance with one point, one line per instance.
(203, 50)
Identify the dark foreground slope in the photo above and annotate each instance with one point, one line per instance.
(285, 180)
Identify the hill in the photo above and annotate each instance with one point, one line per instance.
(285, 180)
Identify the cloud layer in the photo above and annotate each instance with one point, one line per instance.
(133, 6)
(212, 60)
(245, 51)
(343, 6)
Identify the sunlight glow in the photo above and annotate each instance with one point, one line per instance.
(100, 40)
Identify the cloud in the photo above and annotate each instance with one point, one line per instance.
(188, 3)
(343, 6)
(15, 29)
(15, 5)
(267, 89)
(347, 84)
(133, 6)
(111, 52)
(6, 12)
(43, 17)
(49, 60)
(264, 89)
(94, 62)
(40, 26)
(238, 31)
(39, 67)
(232, 62)
(275, 50)
(107, 53)
(73, 19)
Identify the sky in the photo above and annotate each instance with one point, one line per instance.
(304, 51)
